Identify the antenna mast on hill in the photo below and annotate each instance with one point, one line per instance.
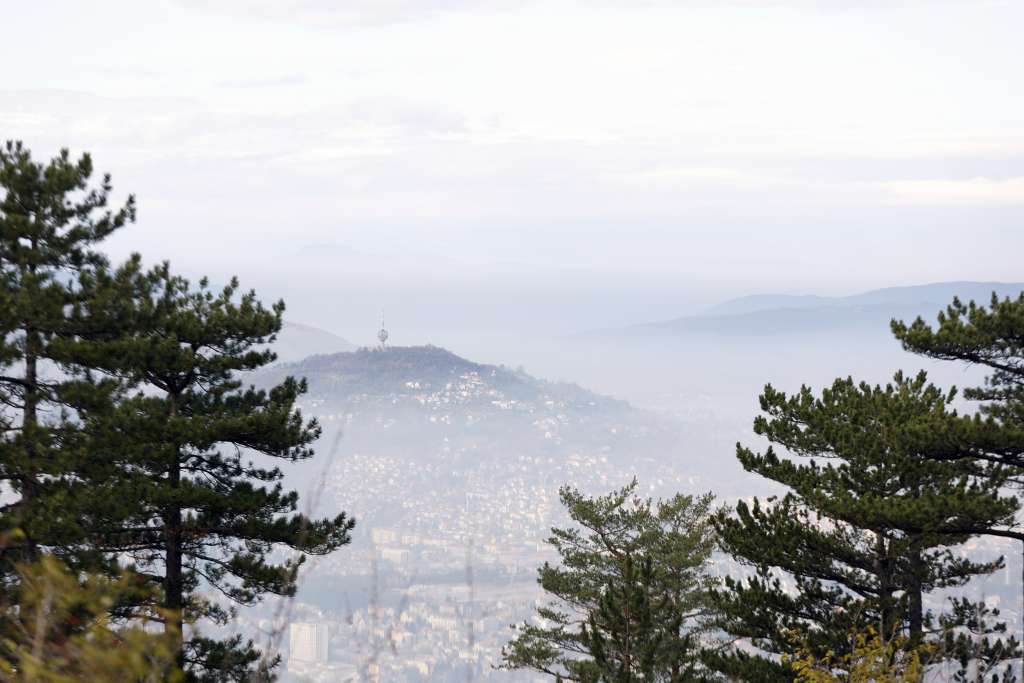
(382, 336)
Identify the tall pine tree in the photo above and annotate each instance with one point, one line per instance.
(127, 431)
(864, 532)
(197, 504)
(51, 219)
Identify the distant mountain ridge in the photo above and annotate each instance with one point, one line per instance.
(939, 294)
(772, 315)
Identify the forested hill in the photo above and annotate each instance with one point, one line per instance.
(426, 404)
(430, 372)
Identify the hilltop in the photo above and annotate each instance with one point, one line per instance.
(394, 373)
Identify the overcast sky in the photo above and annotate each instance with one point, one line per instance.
(730, 147)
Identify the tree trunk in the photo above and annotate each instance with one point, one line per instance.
(29, 429)
(30, 411)
(886, 589)
(173, 581)
(30, 408)
(916, 606)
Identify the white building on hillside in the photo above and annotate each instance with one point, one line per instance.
(308, 643)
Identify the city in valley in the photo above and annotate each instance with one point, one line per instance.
(511, 341)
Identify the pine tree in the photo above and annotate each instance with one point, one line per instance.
(622, 635)
(126, 429)
(624, 551)
(866, 528)
(194, 503)
(51, 219)
(992, 338)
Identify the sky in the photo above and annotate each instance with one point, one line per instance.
(574, 163)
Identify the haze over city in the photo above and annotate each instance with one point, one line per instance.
(531, 252)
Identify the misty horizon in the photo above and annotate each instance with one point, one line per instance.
(608, 326)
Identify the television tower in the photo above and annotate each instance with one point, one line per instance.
(382, 336)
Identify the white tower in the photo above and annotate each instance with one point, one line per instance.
(382, 336)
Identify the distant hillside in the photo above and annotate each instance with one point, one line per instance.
(934, 295)
(785, 321)
(766, 302)
(427, 404)
(774, 315)
(397, 373)
(471, 427)
(296, 342)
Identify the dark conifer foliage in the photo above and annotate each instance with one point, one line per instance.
(992, 338)
(51, 219)
(127, 430)
(624, 633)
(198, 504)
(866, 527)
(629, 598)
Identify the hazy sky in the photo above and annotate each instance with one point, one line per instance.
(716, 147)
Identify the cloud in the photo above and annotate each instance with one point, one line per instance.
(857, 4)
(406, 115)
(341, 12)
(274, 82)
(709, 182)
(196, 128)
(702, 179)
(974, 191)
